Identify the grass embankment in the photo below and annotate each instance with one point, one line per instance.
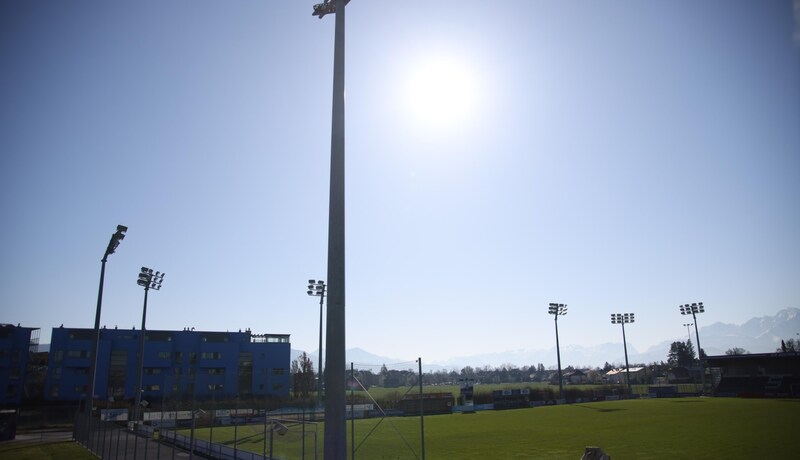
(697, 428)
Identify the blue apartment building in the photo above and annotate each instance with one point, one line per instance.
(184, 364)
(17, 345)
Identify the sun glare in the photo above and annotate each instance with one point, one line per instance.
(440, 92)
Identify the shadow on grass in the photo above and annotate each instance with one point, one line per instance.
(597, 409)
(687, 401)
(243, 439)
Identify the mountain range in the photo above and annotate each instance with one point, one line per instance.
(757, 335)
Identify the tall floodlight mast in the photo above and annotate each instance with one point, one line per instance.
(335, 414)
(113, 244)
(688, 331)
(317, 288)
(558, 309)
(623, 318)
(693, 309)
(148, 280)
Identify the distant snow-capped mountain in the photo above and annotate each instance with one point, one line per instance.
(757, 335)
(361, 359)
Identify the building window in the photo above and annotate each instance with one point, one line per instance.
(58, 356)
(11, 392)
(56, 374)
(215, 337)
(245, 373)
(192, 357)
(13, 373)
(211, 355)
(81, 371)
(78, 354)
(216, 371)
(158, 336)
(176, 371)
(163, 355)
(177, 357)
(152, 371)
(277, 339)
(80, 389)
(278, 371)
(215, 387)
(82, 335)
(116, 372)
(155, 387)
(14, 356)
(54, 390)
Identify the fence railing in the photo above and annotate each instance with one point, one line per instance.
(120, 440)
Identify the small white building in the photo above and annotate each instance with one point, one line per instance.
(618, 375)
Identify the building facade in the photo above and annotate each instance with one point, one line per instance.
(756, 375)
(17, 347)
(184, 364)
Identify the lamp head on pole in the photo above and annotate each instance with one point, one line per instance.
(118, 236)
(557, 309)
(326, 7)
(622, 318)
(692, 309)
(149, 279)
(316, 288)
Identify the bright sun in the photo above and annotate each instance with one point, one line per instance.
(440, 92)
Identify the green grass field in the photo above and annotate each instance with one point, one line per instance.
(696, 428)
(380, 393)
(31, 450)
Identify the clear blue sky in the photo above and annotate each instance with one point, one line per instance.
(615, 156)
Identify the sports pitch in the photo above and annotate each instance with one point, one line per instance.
(696, 428)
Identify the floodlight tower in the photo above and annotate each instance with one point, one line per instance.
(688, 331)
(693, 309)
(622, 318)
(317, 288)
(148, 280)
(113, 244)
(335, 439)
(558, 309)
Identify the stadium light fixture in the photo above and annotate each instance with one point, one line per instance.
(326, 7)
(622, 319)
(694, 309)
(317, 288)
(558, 309)
(148, 279)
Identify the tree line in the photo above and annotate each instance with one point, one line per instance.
(681, 355)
